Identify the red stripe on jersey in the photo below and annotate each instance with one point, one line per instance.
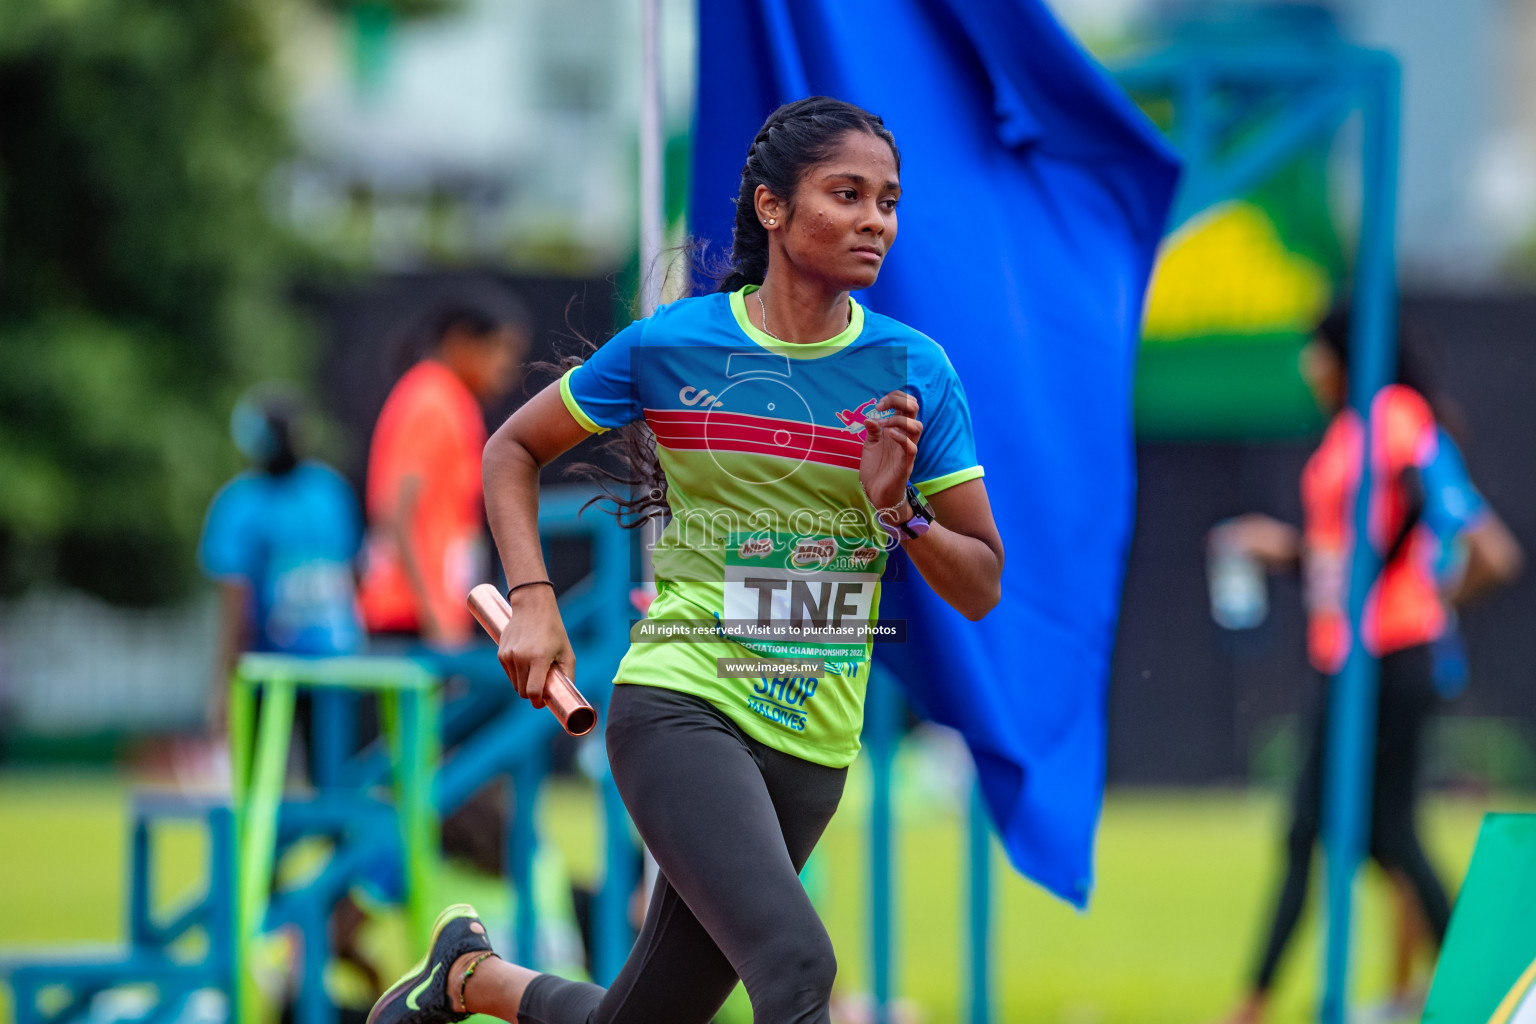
(684, 419)
(754, 435)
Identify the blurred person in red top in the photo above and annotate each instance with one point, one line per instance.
(1405, 613)
(426, 534)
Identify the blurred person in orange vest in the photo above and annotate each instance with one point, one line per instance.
(426, 535)
(1407, 614)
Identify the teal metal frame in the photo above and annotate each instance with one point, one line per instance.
(1248, 93)
(387, 843)
(260, 729)
(884, 711)
(882, 721)
(155, 935)
(596, 614)
(491, 736)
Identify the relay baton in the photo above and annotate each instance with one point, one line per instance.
(491, 610)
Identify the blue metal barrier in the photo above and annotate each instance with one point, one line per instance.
(884, 713)
(151, 957)
(596, 613)
(882, 722)
(979, 910)
(492, 735)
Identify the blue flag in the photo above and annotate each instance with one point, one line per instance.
(1034, 196)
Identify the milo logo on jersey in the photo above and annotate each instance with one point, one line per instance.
(757, 546)
(795, 596)
(828, 553)
(810, 551)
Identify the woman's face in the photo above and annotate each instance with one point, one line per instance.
(842, 220)
(1324, 374)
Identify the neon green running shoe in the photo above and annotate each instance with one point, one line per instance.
(421, 996)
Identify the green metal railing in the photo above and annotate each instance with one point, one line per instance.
(261, 715)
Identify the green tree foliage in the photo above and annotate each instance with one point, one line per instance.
(142, 280)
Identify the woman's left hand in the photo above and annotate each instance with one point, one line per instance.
(960, 555)
(890, 445)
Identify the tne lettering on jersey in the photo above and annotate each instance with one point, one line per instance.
(821, 588)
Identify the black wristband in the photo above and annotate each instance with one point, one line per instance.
(530, 583)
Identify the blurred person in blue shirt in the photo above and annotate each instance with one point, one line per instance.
(281, 539)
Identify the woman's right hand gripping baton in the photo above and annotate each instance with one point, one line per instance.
(536, 655)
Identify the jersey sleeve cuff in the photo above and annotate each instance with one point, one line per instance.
(928, 488)
(574, 407)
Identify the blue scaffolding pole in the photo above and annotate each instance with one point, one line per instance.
(883, 711)
(1352, 727)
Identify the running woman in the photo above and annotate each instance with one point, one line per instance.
(789, 423)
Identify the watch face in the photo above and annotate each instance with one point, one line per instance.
(919, 503)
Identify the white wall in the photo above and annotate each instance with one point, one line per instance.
(528, 107)
(72, 665)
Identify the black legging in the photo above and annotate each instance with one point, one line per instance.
(730, 823)
(1407, 697)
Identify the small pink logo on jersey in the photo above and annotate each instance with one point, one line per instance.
(853, 420)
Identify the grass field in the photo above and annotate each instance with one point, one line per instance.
(1184, 879)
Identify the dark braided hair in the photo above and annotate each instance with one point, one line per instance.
(795, 138)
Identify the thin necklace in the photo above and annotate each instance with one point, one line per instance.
(775, 337)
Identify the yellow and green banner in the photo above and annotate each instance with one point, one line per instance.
(1234, 297)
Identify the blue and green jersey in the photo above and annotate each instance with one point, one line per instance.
(760, 442)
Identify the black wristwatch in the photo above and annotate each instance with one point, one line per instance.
(922, 514)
